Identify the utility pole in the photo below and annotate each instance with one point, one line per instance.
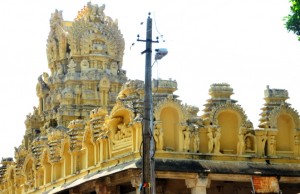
(148, 171)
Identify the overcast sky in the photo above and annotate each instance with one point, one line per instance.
(241, 42)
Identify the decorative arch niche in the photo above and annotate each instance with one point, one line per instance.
(250, 144)
(285, 120)
(104, 86)
(286, 132)
(230, 118)
(89, 147)
(40, 177)
(229, 121)
(171, 116)
(122, 132)
(11, 178)
(170, 123)
(66, 158)
(46, 166)
(29, 172)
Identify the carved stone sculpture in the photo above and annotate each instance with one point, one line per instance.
(217, 142)
(240, 144)
(186, 139)
(210, 140)
(248, 144)
(271, 146)
(196, 142)
(158, 137)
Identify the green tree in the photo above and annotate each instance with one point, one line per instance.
(292, 21)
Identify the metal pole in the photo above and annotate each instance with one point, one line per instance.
(148, 146)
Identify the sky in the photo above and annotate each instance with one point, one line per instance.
(240, 42)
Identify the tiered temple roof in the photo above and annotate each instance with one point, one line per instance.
(88, 123)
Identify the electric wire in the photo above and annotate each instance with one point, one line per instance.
(156, 27)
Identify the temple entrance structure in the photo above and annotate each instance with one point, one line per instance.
(85, 134)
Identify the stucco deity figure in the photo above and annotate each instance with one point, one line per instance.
(138, 117)
(125, 130)
(196, 142)
(48, 102)
(118, 135)
(52, 50)
(29, 178)
(272, 146)
(35, 110)
(71, 66)
(240, 144)
(158, 137)
(210, 140)
(248, 144)
(46, 77)
(114, 68)
(186, 139)
(58, 94)
(156, 134)
(100, 66)
(84, 65)
(78, 94)
(217, 141)
(296, 145)
(60, 69)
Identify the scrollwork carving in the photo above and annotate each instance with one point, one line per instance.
(228, 106)
(283, 109)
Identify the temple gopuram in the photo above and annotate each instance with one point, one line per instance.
(85, 134)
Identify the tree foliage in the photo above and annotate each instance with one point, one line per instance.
(292, 21)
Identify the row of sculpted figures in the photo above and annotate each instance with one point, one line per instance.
(228, 131)
(106, 139)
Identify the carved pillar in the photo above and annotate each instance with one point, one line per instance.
(101, 189)
(110, 189)
(261, 142)
(53, 173)
(113, 190)
(41, 105)
(74, 162)
(36, 180)
(103, 97)
(106, 97)
(198, 185)
(136, 182)
(137, 140)
(98, 188)
(101, 149)
(96, 95)
(59, 119)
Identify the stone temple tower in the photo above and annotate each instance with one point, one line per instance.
(85, 62)
(86, 133)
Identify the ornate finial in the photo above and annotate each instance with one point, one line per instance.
(276, 93)
(91, 13)
(220, 90)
